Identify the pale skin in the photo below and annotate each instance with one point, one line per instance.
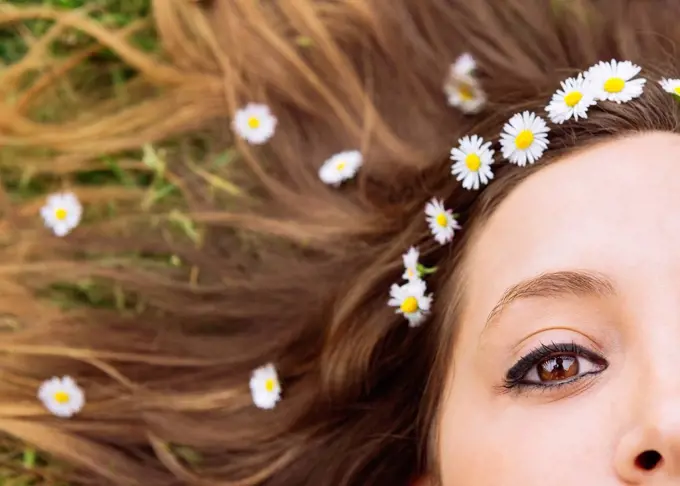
(601, 227)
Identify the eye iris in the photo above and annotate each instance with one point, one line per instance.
(557, 368)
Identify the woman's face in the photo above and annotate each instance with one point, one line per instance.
(567, 364)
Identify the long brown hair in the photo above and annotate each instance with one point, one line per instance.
(273, 265)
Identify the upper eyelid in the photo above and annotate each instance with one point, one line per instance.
(552, 284)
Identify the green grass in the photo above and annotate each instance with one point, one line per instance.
(14, 41)
(103, 73)
(28, 179)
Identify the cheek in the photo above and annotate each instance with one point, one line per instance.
(487, 439)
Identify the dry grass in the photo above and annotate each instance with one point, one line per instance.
(52, 74)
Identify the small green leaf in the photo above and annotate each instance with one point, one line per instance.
(119, 297)
(225, 158)
(184, 222)
(557, 7)
(29, 458)
(151, 159)
(156, 194)
(125, 178)
(304, 41)
(191, 456)
(423, 270)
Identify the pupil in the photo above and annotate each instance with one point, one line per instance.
(558, 368)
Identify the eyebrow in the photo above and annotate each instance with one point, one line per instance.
(553, 284)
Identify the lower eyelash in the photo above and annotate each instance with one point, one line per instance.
(520, 387)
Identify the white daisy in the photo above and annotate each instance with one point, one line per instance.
(671, 86)
(411, 264)
(442, 222)
(613, 81)
(254, 123)
(473, 159)
(341, 167)
(464, 92)
(571, 101)
(464, 65)
(411, 301)
(62, 212)
(62, 396)
(524, 138)
(265, 387)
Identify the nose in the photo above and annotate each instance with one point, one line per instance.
(649, 453)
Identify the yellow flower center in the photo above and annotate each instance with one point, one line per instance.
(60, 214)
(473, 162)
(466, 92)
(61, 397)
(409, 305)
(253, 122)
(340, 165)
(270, 384)
(677, 90)
(410, 272)
(573, 98)
(441, 220)
(524, 139)
(614, 85)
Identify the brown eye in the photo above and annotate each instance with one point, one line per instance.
(558, 368)
(556, 364)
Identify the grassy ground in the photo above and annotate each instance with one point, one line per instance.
(138, 181)
(28, 174)
(14, 42)
(102, 75)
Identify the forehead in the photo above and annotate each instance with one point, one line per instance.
(608, 208)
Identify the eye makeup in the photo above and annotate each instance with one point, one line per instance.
(553, 365)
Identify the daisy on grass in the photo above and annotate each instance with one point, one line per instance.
(62, 212)
(254, 123)
(473, 159)
(571, 101)
(411, 301)
(442, 221)
(613, 81)
(62, 396)
(341, 167)
(265, 387)
(411, 264)
(671, 86)
(524, 138)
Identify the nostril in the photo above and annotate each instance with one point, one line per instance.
(648, 460)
